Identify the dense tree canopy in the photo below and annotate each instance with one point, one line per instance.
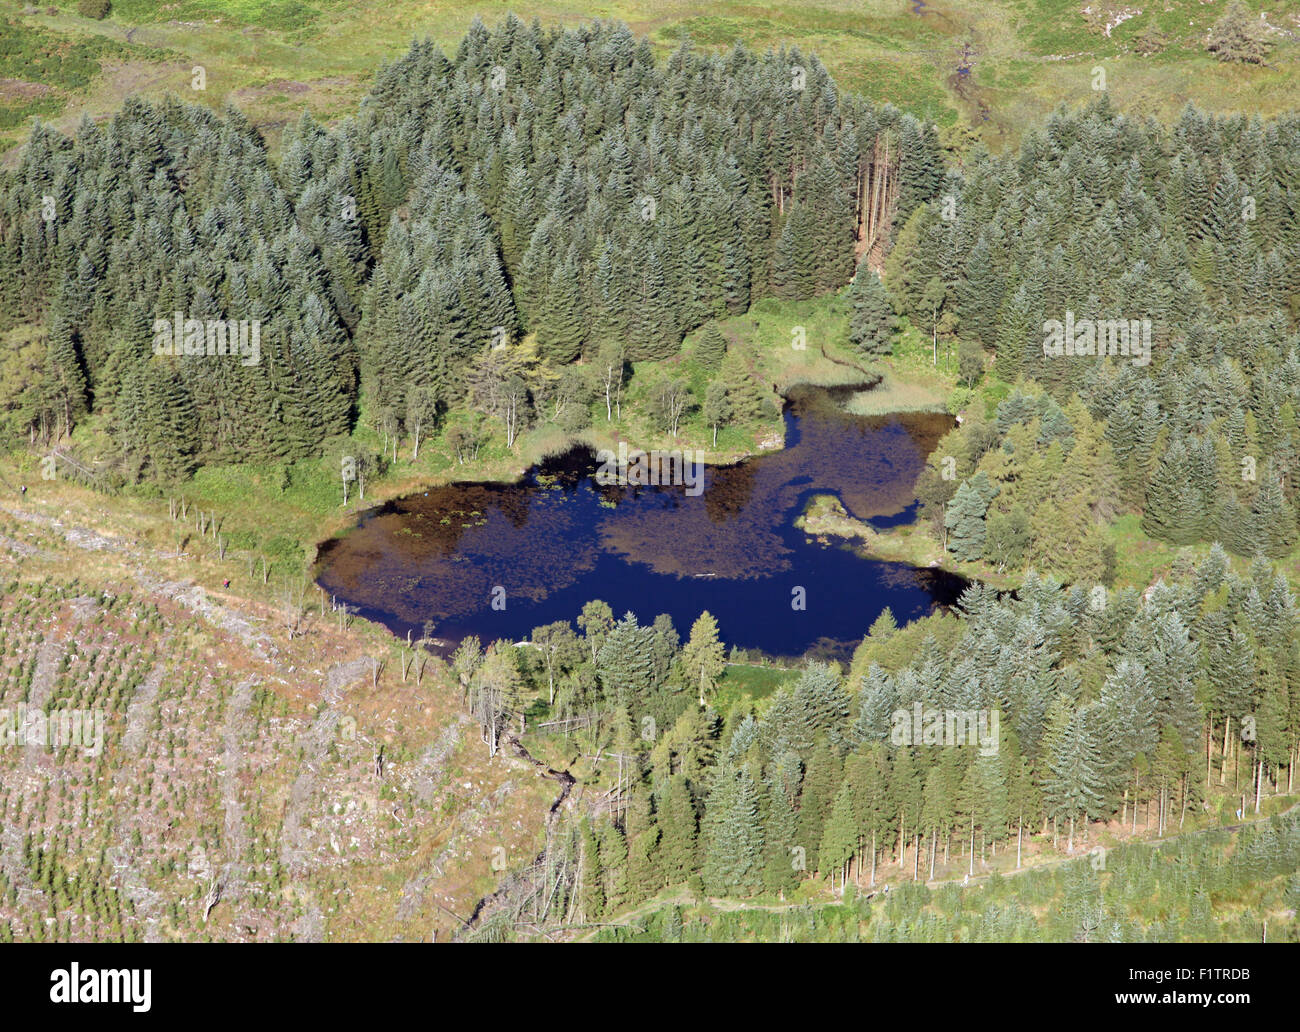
(557, 183)
(1104, 703)
(1192, 230)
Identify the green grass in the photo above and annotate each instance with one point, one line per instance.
(767, 335)
(743, 682)
(41, 68)
(276, 57)
(915, 380)
(1139, 558)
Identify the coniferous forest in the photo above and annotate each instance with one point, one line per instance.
(553, 237)
(516, 188)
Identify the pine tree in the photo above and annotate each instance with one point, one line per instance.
(712, 348)
(66, 374)
(614, 865)
(874, 817)
(819, 786)
(1173, 513)
(703, 657)
(679, 831)
(877, 702)
(732, 834)
(871, 323)
(981, 293)
(561, 324)
(906, 790)
(625, 661)
(937, 810)
(643, 876)
(1171, 663)
(839, 840)
(1075, 781)
(794, 266)
(653, 327)
(592, 901)
(1272, 519)
(965, 523)
(780, 873)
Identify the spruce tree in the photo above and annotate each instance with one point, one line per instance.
(871, 323)
(839, 840)
(1075, 782)
(712, 348)
(679, 831)
(733, 835)
(964, 521)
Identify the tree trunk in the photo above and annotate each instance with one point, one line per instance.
(1137, 782)
(1223, 760)
(1209, 744)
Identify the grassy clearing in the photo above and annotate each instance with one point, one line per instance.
(918, 377)
(768, 337)
(745, 682)
(895, 395)
(41, 70)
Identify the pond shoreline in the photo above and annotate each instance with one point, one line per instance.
(498, 558)
(386, 492)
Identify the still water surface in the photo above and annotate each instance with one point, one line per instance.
(557, 539)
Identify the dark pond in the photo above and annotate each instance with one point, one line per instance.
(557, 539)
